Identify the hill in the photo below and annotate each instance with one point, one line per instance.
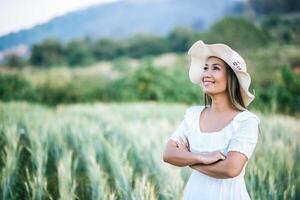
(123, 19)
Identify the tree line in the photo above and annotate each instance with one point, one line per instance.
(237, 32)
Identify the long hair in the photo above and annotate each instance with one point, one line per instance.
(233, 91)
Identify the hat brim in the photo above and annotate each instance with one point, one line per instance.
(200, 52)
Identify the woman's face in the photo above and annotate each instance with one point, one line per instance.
(214, 76)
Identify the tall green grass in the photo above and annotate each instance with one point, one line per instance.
(114, 151)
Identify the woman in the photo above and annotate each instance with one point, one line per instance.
(216, 140)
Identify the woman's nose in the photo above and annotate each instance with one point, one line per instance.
(207, 73)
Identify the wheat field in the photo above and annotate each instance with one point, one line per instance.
(114, 151)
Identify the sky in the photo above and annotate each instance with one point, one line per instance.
(21, 14)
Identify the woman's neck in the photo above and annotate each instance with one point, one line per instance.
(220, 103)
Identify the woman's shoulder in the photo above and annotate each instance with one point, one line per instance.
(194, 110)
(247, 115)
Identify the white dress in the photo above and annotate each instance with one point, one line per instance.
(239, 135)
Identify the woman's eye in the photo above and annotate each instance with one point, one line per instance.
(216, 68)
(205, 68)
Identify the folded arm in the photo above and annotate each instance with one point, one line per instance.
(228, 168)
(178, 154)
(179, 157)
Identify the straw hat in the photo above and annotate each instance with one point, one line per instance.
(199, 53)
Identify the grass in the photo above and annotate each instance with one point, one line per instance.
(114, 151)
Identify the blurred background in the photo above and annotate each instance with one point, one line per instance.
(136, 50)
(78, 78)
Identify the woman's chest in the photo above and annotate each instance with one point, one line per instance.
(208, 142)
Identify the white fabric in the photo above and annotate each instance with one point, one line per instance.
(239, 135)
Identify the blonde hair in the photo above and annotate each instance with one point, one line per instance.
(233, 91)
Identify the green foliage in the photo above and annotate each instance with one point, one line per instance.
(266, 99)
(106, 49)
(180, 39)
(121, 64)
(148, 80)
(154, 83)
(238, 33)
(133, 80)
(79, 52)
(274, 92)
(282, 97)
(48, 53)
(285, 30)
(275, 6)
(289, 92)
(16, 87)
(145, 45)
(14, 60)
(81, 89)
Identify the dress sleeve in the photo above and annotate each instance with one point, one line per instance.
(245, 137)
(180, 132)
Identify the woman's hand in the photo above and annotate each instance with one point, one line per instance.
(204, 158)
(211, 157)
(183, 144)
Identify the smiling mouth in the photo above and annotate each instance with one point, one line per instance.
(208, 83)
